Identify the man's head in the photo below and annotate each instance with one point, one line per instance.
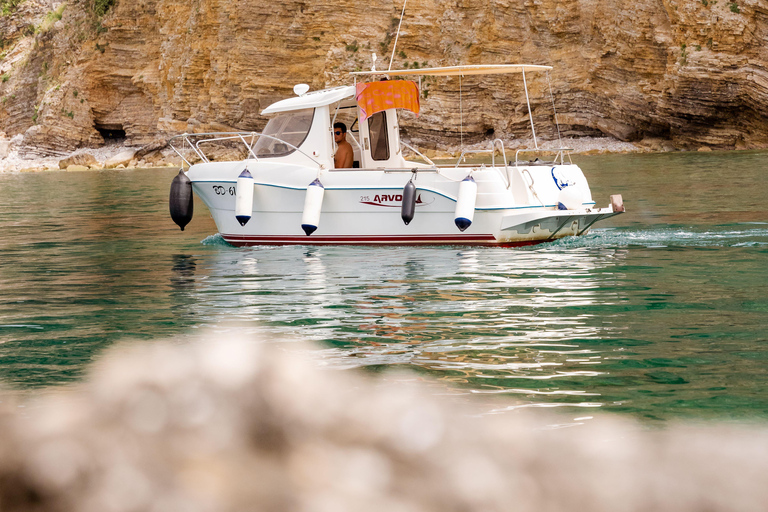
(339, 132)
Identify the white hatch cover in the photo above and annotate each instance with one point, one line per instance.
(312, 99)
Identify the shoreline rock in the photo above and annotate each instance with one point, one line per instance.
(158, 155)
(112, 156)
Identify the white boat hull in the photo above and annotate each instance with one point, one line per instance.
(364, 206)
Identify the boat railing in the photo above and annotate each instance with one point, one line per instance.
(426, 158)
(559, 153)
(192, 141)
(492, 151)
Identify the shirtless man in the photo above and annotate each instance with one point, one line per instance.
(344, 155)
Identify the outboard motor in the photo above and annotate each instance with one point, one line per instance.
(181, 202)
(408, 208)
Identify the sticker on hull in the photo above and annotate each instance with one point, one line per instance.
(394, 200)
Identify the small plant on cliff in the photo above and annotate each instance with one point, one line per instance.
(9, 6)
(51, 18)
(705, 2)
(353, 47)
(101, 7)
(6, 77)
(683, 55)
(735, 8)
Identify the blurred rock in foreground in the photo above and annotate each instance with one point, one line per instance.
(230, 425)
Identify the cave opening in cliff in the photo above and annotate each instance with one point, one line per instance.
(110, 132)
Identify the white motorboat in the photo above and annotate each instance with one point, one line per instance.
(284, 188)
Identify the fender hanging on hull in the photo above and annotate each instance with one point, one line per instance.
(465, 203)
(408, 208)
(313, 203)
(180, 202)
(244, 197)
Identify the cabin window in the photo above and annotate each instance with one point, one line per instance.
(377, 129)
(285, 130)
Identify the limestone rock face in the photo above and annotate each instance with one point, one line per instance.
(692, 72)
(122, 158)
(83, 159)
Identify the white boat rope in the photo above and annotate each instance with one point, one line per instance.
(559, 138)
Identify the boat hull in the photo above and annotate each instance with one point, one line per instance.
(364, 207)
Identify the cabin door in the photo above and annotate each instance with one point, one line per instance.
(381, 141)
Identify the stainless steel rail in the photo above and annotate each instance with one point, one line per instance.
(560, 153)
(492, 151)
(190, 140)
(426, 159)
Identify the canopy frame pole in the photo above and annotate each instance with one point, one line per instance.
(392, 58)
(461, 116)
(530, 115)
(554, 109)
(335, 113)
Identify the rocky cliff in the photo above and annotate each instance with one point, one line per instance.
(691, 72)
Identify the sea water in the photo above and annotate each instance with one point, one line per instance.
(659, 313)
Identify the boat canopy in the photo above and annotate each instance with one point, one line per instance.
(312, 99)
(477, 69)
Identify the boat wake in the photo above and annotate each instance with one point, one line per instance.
(735, 235)
(216, 240)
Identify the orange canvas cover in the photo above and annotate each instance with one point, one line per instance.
(374, 97)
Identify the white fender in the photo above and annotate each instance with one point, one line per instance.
(465, 203)
(313, 203)
(244, 198)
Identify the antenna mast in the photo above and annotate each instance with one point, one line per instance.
(391, 59)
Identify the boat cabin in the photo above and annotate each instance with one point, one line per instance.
(300, 130)
(306, 122)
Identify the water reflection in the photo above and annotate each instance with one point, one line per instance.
(482, 319)
(183, 272)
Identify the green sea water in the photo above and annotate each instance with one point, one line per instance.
(660, 313)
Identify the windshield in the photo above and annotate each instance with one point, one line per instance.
(290, 127)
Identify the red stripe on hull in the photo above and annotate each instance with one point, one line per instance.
(246, 240)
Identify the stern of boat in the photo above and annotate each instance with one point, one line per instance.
(553, 224)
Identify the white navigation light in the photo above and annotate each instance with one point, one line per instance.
(300, 89)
